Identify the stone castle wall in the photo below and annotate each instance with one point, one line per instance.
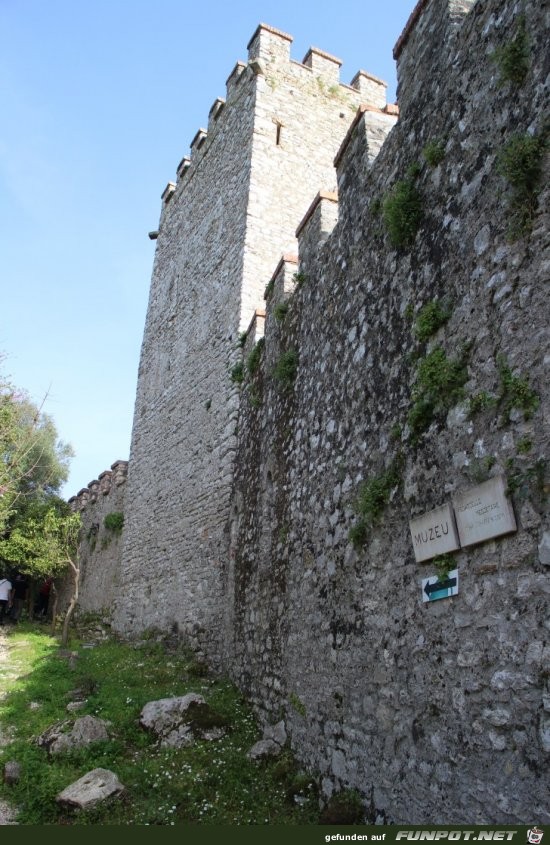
(236, 203)
(100, 547)
(440, 708)
(240, 501)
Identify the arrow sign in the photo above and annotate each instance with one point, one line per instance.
(439, 585)
(434, 589)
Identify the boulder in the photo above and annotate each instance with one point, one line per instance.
(179, 721)
(85, 730)
(90, 789)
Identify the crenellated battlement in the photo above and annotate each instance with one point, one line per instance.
(268, 69)
(108, 480)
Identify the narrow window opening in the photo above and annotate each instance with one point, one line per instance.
(278, 134)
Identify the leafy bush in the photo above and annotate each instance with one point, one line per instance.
(373, 497)
(520, 163)
(430, 318)
(114, 522)
(280, 311)
(439, 383)
(286, 368)
(515, 392)
(236, 374)
(402, 212)
(434, 152)
(513, 58)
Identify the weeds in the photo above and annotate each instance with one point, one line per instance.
(430, 318)
(286, 369)
(114, 522)
(513, 58)
(481, 401)
(345, 807)
(374, 495)
(434, 152)
(236, 373)
(520, 163)
(439, 386)
(402, 211)
(280, 311)
(515, 392)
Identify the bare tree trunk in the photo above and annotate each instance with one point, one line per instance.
(53, 592)
(72, 603)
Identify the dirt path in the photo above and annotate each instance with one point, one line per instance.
(7, 813)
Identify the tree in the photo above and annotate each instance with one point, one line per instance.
(33, 462)
(38, 534)
(44, 544)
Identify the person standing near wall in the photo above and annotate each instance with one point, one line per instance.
(5, 597)
(19, 596)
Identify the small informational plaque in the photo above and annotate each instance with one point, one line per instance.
(434, 587)
(434, 533)
(483, 512)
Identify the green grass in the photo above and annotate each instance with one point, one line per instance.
(207, 783)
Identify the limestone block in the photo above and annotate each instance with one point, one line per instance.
(91, 789)
(86, 730)
(178, 722)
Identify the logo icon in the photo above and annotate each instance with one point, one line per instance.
(534, 835)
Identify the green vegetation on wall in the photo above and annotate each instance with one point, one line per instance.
(402, 210)
(114, 522)
(439, 385)
(286, 368)
(434, 152)
(515, 392)
(512, 59)
(519, 161)
(255, 356)
(374, 496)
(280, 311)
(236, 373)
(430, 318)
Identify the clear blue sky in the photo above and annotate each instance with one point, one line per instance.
(98, 103)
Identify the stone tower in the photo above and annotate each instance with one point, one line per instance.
(225, 222)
